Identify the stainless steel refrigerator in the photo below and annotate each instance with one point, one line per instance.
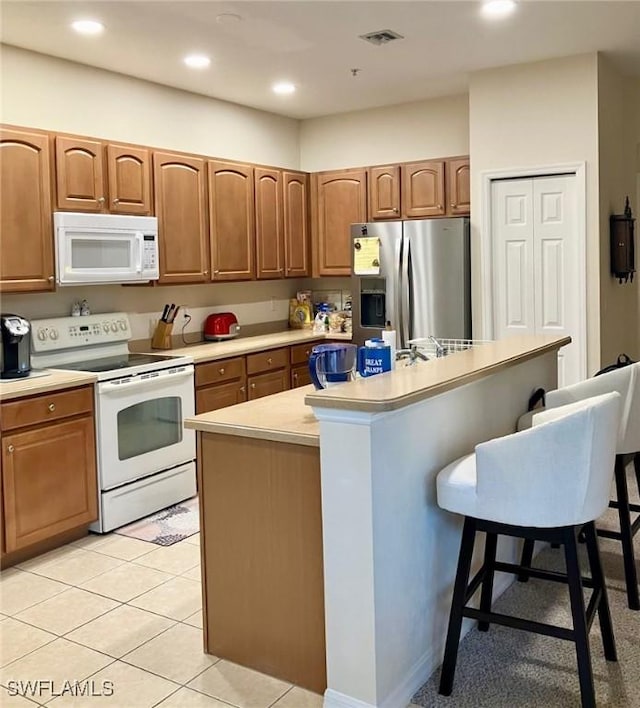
(415, 274)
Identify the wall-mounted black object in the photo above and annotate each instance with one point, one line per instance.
(622, 246)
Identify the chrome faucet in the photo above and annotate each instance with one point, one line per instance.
(413, 354)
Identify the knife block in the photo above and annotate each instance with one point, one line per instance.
(162, 336)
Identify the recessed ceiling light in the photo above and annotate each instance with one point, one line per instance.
(283, 87)
(197, 61)
(88, 26)
(498, 8)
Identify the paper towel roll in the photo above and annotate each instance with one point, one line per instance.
(389, 337)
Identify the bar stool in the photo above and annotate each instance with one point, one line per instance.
(547, 483)
(626, 381)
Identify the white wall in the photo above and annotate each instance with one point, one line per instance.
(411, 131)
(42, 92)
(619, 303)
(530, 115)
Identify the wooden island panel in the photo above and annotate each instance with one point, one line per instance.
(261, 536)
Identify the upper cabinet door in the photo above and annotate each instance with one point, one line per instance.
(340, 200)
(423, 189)
(269, 224)
(26, 256)
(181, 208)
(296, 224)
(79, 174)
(129, 171)
(384, 193)
(458, 187)
(232, 214)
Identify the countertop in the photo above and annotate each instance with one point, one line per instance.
(396, 389)
(288, 417)
(212, 351)
(53, 381)
(282, 417)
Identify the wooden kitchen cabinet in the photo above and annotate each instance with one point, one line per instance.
(220, 383)
(26, 231)
(268, 372)
(300, 376)
(80, 183)
(269, 223)
(384, 192)
(129, 177)
(232, 214)
(49, 483)
(458, 187)
(296, 224)
(86, 181)
(339, 200)
(423, 189)
(267, 384)
(181, 208)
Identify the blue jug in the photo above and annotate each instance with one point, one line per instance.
(332, 364)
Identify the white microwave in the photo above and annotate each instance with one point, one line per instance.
(105, 248)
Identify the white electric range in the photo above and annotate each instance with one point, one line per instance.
(145, 456)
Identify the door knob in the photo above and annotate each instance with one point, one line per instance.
(253, 385)
(52, 407)
(221, 370)
(101, 200)
(10, 448)
(269, 361)
(116, 201)
(50, 279)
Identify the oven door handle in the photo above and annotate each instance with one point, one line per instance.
(136, 384)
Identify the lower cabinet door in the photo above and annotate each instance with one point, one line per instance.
(49, 481)
(220, 396)
(300, 376)
(266, 384)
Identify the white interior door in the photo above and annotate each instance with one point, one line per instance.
(537, 284)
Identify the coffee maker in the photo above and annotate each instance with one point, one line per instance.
(15, 353)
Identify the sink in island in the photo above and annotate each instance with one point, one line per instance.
(326, 560)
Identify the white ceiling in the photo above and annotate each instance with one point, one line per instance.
(315, 44)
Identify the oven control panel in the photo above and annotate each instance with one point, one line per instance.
(59, 333)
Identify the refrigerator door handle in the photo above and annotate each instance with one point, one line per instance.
(405, 315)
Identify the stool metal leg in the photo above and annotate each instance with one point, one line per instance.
(527, 558)
(626, 532)
(604, 614)
(457, 606)
(490, 545)
(580, 629)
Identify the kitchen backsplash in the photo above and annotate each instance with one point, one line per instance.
(258, 303)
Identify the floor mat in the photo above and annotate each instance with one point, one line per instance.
(168, 526)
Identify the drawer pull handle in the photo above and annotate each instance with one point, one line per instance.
(269, 360)
(439, 206)
(253, 385)
(52, 407)
(116, 201)
(101, 200)
(242, 389)
(453, 206)
(10, 448)
(221, 370)
(295, 376)
(307, 352)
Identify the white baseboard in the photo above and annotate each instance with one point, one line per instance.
(335, 699)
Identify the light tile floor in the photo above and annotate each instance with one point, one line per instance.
(116, 609)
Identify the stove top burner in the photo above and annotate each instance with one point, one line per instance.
(114, 363)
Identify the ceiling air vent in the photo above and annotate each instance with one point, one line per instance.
(381, 37)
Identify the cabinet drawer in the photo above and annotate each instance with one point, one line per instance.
(46, 407)
(212, 398)
(300, 376)
(267, 361)
(267, 384)
(300, 352)
(218, 371)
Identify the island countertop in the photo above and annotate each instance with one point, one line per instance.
(281, 417)
(288, 416)
(404, 386)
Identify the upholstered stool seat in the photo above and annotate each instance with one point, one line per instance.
(547, 483)
(626, 382)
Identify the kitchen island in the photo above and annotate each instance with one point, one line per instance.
(323, 548)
